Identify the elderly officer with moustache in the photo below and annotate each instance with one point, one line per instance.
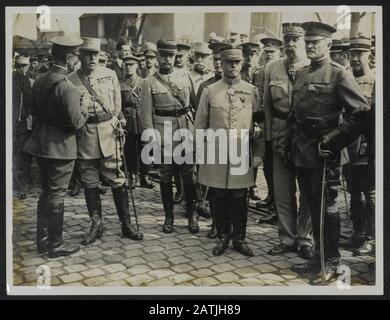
(131, 99)
(321, 91)
(167, 97)
(217, 48)
(271, 51)
(98, 144)
(201, 69)
(55, 103)
(294, 225)
(227, 104)
(362, 179)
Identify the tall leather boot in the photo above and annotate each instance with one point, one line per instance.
(145, 183)
(167, 200)
(121, 199)
(189, 195)
(42, 226)
(212, 234)
(239, 219)
(94, 205)
(57, 247)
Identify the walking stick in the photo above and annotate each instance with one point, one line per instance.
(344, 192)
(121, 137)
(322, 222)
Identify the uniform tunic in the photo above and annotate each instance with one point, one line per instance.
(227, 104)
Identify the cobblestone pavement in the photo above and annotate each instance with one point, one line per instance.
(176, 259)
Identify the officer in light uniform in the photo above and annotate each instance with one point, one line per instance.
(55, 103)
(321, 91)
(294, 225)
(229, 103)
(98, 144)
(168, 96)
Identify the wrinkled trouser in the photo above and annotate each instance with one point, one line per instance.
(363, 212)
(294, 225)
(268, 170)
(310, 185)
(132, 149)
(21, 161)
(231, 212)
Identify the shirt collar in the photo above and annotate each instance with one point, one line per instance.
(231, 81)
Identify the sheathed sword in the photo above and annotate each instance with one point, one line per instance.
(322, 223)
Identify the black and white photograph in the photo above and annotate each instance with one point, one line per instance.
(194, 150)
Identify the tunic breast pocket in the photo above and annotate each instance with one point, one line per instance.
(321, 94)
(161, 98)
(279, 90)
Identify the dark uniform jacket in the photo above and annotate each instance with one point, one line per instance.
(55, 103)
(366, 84)
(131, 99)
(21, 93)
(320, 93)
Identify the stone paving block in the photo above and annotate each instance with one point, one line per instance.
(173, 252)
(118, 276)
(199, 273)
(33, 262)
(178, 260)
(57, 271)
(112, 258)
(201, 264)
(222, 267)
(74, 284)
(206, 282)
(153, 256)
(270, 277)
(181, 278)
(172, 245)
(117, 283)
(129, 262)
(92, 272)
(159, 264)
(251, 282)
(132, 253)
(227, 277)
(161, 273)
(96, 281)
(197, 256)
(161, 283)
(115, 267)
(281, 264)
(138, 269)
(265, 268)
(182, 268)
(75, 268)
(72, 277)
(247, 272)
(96, 263)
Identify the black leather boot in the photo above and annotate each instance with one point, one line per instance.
(239, 219)
(42, 226)
(311, 266)
(145, 183)
(57, 247)
(121, 200)
(94, 205)
(167, 200)
(222, 244)
(189, 195)
(212, 234)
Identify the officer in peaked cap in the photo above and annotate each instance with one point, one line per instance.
(234, 39)
(168, 97)
(131, 99)
(201, 69)
(234, 103)
(294, 226)
(217, 48)
(55, 103)
(99, 143)
(271, 48)
(21, 92)
(181, 57)
(150, 53)
(339, 52)
(321, 91)
(361, 177)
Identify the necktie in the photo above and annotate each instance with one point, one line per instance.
(292, 73)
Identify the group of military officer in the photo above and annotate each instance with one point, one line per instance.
(301, 111)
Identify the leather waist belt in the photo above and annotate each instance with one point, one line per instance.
(280, 115)
(172, 113)
(99, 118)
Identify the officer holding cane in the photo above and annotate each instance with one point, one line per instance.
(320, 93)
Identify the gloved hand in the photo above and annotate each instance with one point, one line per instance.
(322, 151)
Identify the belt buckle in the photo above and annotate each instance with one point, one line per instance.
(176, 113)
(99, 118)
